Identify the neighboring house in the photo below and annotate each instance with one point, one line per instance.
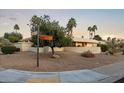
(24, 44)
(26, 40)
(81, 42)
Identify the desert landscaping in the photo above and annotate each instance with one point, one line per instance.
(67, 61)
(45, 48)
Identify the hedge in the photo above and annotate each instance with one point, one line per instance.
(9, 49)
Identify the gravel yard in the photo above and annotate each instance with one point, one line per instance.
(67, 61)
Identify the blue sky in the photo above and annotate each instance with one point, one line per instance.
(109, 22)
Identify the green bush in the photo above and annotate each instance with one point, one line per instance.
(113, 51)
(104, 47)
(122, 50)
(88, 54)
(13, 37)
(123, 53)
(8, 49)
(4, 42)
(17, 49)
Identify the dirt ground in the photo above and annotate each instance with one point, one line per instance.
(67, 61)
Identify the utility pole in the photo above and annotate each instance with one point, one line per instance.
(38, 45)
(38, 30)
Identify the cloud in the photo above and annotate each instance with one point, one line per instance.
(19, 14)
(12, 18)
(5, 24)
(113, 36)
(2, 16)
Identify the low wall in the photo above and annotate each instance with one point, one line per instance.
(34, 49)
(83, 49)
(57, 49)
(0, 51)
(24, 46)
(45, 49)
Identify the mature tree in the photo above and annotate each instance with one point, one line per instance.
(114, 41)
(13, 37)
(109, 39)
(51, 28)
(97, 37)
(71, 23)
(6, 35)
(92, 31)
(4, 42)
(94, 28)
(82, 36)
(16, 27)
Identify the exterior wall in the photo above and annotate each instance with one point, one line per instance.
(91, 45)
(78, 44)
(33, 49)
(24, 46)
(57, 49)
(84, 44)
(83, 49)
(18, 45)
(0, 51)
(45, 49)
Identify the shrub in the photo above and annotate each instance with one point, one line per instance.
(113, 51)
(13, 37)
(122, 50)
(122, 53)
(88, 54)
(8, 49)
(4, 42)
(104, 47)
(17, 49)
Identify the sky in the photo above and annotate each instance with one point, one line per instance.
(110, 23)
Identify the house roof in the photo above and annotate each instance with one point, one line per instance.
(85, 40)
(26, 39)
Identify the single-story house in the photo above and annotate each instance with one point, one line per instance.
(81, 42)
(80, 45)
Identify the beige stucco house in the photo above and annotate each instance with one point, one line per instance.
(80, 45)
(81, 42)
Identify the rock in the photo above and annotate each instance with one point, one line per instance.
(55, 56)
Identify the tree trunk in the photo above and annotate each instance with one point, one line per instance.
(71, 33)
(53, 52)
(68, 33)
(89, 35)
(94, 34)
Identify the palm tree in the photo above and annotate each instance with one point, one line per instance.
(90, 32)
(109, 39)
(16, 27)
(94, 28)
(82, 36)
(71, 23)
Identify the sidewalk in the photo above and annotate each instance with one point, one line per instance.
(105, 74)
(114, 71)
